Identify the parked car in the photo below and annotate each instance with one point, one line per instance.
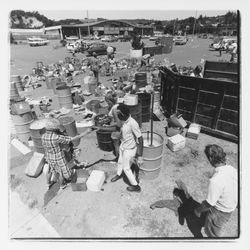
(125, 38)
(37, 41)
(98, 48)
(153, 38)
(180, 40)
(223, 43)
(109, 39)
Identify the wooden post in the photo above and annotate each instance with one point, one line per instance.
(151, 117)
(218, 108)
(196, 100)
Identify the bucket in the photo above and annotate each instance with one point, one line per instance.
(145, 99)
(140, 79)
(135, 112)
(22, 125)
(92, 85)
(64, 97)
(152, 156)
(17, 79)
(37, 129)
(104, 140)
(69, 124)
(13, 91)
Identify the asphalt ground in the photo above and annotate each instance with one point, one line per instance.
(24, 58)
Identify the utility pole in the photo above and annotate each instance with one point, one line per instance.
(88, 22)
(194, 23)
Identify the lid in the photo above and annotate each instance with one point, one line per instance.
(177, 139)
(38, 124)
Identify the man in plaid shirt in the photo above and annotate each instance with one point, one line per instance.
(51, 141)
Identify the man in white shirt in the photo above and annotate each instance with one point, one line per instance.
(222, 195)
(130, 137)
(234, 48)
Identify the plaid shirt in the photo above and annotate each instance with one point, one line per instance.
(51, 142)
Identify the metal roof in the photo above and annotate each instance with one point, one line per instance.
(95, 23)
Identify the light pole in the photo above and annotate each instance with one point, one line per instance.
(88, 22)
(194, 23)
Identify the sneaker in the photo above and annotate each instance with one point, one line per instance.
(116, 178)
(136, 188)
(50, 185)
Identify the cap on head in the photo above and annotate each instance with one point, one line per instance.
(52, 124)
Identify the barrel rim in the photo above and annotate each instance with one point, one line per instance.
(150, 170)
(62, 87)
(153, 159)
(155, 134)
(65, 117)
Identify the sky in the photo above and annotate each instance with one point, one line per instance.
(128, 14)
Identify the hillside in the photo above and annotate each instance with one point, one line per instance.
(33, 20)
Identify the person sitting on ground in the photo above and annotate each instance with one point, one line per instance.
(131, 137)
(234, 52)
(54, 154)
(222, 197)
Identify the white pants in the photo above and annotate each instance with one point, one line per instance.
(124, 164)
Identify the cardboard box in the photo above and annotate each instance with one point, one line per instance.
(35, 165)
(176, 120)
(95, 180)
(131, 100)
(171, 131)
(193, 131)
(176, 142)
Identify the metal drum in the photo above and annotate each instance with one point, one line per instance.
(104, 140)
(141, 79)
(37, 129)
(22, 124)
(152, 156)
(13, 91)
(69, 124)
(17, 79)
(54, 83)
(145, 99)
(64, 97)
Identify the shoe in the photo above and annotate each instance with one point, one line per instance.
(50, 184)
(116, 178)
(65, 183)
(136, 188)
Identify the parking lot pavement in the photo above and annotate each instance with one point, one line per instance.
(27, 223)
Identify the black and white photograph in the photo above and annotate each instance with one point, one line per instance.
(124, 125)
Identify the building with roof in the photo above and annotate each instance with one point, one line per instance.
(106, 27)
